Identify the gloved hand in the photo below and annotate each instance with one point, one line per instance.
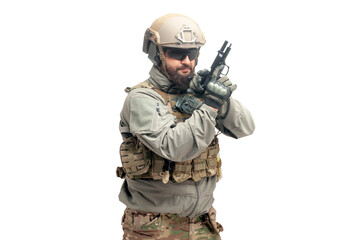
(195, 84)
(218, 90)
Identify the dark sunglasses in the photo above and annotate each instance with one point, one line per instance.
(180, 54)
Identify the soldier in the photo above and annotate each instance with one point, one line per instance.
(170, 158)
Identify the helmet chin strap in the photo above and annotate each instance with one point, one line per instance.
(162, 68)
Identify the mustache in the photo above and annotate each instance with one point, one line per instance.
(184, 66)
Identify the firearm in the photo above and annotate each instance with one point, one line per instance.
(219, 60)
(189, 103)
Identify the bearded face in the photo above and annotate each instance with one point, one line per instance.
(180, 69)
(180, 75)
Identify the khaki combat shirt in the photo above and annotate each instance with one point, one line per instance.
(146, 116)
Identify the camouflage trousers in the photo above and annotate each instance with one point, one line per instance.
(150, 226)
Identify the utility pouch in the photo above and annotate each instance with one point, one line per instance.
(135, 157)
(199, 166)
(212, 160)
(157, 167)
(217, 227)
(182, 171)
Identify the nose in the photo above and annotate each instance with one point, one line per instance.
(186, 60)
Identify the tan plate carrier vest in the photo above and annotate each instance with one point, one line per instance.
(139, 162)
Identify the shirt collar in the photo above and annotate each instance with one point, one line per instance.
(160, 81)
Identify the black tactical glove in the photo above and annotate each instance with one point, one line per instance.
(195, 84)
(218, 90)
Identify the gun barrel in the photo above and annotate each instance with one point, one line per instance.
(227, 52)
(223, 46)
(219, 60)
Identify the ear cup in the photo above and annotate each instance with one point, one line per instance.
(153, 54)
(146, 43)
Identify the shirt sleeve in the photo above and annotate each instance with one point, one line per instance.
(146, 116)
(235, 120)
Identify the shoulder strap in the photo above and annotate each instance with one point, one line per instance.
(143, 84)
(146, 84)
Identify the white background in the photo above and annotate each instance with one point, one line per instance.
(63, 68)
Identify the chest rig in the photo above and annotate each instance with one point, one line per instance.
(139, 162)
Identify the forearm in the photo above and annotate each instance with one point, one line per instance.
(185, 140)
(148, 118)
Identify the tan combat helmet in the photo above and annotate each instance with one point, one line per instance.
(171, 30)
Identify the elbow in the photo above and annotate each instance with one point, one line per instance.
(251, 129)
(245, 131)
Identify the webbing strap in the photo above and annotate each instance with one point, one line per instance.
(182, 168)
(198, 167)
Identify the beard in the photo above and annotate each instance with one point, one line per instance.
(182, 80)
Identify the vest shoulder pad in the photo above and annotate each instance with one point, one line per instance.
(144, 84)
(148, 85)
